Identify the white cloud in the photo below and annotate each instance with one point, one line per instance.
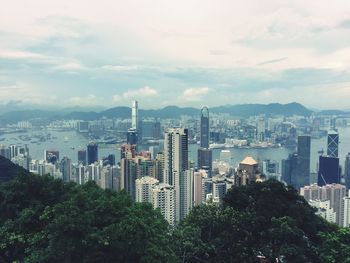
(144, 92)
(195, 94)
(120, 68)
(88, 100)
(70, 66)
(16, 54)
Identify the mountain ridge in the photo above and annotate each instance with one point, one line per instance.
(171, 111)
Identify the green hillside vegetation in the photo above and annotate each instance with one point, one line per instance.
(45, 220)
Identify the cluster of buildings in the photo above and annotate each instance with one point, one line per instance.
(326, 190)
(165, 176)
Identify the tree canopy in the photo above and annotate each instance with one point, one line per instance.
(46, 220)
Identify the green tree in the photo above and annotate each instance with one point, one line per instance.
(46, 220)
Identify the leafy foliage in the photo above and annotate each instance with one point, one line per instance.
(45, 220)
(265, 220)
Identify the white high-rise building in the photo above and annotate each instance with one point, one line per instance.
(346, 209)
(135, 115)
(175, 153)
(332, 192)
(324, 210)
(219, 188)
(144, 189)
(176, 169)
(198, 178)
(164, 199)
(184, 193)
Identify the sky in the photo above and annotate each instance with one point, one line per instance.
(107, 53)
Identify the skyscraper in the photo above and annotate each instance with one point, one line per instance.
(328, 171)
(204, 153)
(132, 136)
(164, 199)
(176, 169)
(302, 175)
(347, 171)
(175, 153)
(92, 153)
(205, 159)
(332, 143)
(66, 169)
(82, 157)
(135, 115)
(204, 127)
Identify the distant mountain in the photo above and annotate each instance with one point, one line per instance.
(333, 112)
(8, 170)
(246, 110)
(242, 110)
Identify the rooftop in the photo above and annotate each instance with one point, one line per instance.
(249, 161)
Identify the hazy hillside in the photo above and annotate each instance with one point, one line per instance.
(243, 110)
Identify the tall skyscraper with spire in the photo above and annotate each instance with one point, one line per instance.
(204, 127)
(135, 115)
(204, 153)
(332, 143)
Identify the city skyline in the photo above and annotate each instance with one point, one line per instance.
(175, 53)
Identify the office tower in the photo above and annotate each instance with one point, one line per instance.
(82, 157)
(204, 154)
(302, 175)
(260, 129)
(128, 176)
(332, 143)
(205, 159)
(332, 192)
(248, 172)
(175, 153)
(219, 188)
(204, 127)
(132, 136)
(144, 189)
(164, 199)
(66, 169)
(135, 115)
(347, 171)
(92, 153)
(328, 171)
(288, 167)
(52, 156)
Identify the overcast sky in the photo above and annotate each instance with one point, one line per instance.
(183, 52)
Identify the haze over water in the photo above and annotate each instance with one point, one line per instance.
(69, 142)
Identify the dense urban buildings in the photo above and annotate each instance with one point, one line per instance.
(176, 164)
